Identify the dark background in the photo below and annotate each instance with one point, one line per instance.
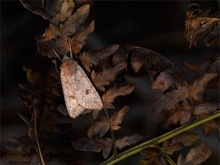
(157, 25)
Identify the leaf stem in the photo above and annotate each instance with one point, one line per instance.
(160, 139)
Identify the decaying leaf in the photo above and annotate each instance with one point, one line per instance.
(197, 88)
(205, 108)
(179, 142)
(92, 57)
(116, 119)
(210, 127)
(98, 127)
(109, 96)
(199, 23)
(79, 40)
(198, 154)
(104, 77)
(169, 100)
(129, 140)
(94, 144)
(20, 145)
(152, 157)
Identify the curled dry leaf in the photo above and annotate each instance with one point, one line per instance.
(163, 81)
(64, 12)
(179, 142)
(74, 21)
(169, 100)
(198, 155)
(198, 23)
(121, 56)
(129, 140)
(91, 58)
(116, 119)
(52, 32)
(109, 96)
(205, 108)
(79, 40)
(98, 127)
(46, 9)
(197, 88)
(104, 77)
(94, 144)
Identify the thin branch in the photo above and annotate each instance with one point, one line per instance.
(160, 139)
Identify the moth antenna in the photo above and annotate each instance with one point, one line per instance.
(57, 55)
(71, 53)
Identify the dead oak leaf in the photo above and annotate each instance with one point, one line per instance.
(93, 57)
(129, 140)
(94, 144)
(109, 96)
(100, 79)
(205, 108)
(116, 119)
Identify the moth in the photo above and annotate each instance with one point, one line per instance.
(79, 93)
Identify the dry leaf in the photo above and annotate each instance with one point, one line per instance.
(164, 81)
(91, 58)
(197, 88)
(205, 108)
(170, 99)
(129, 140)
(210, 126)
(65, 11)
(116, 119)
(74, 21)
(98, 127)
(52, 32)
(94, 144)
(213, 35)
(191, 67)
(79, 40)
(179, 142)
(198, 23)
(121, 56)
(109, 96)
(100, 79)
(198, 155)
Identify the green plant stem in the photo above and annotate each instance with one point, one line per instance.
(151, 143)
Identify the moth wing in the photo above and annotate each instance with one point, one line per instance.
(67, 80)
(86, 94)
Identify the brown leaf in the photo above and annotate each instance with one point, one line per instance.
(213, 35)
(164, 81)
(79, 40)
(74, 21)
(109, 96)
(20, 145)
(116, 119)
(121, 56)
(205, 108)
(51, 32)
(198, 155)
(169, 100)
(95, 145)
(181, 114)
(210, 126)
(197, 88)
(179, 142)
(100, 79)
(191, 67)
(98, 127)
(91, 58)
(198, 23)
(65, 11)
(129, 140)
(46, 9)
